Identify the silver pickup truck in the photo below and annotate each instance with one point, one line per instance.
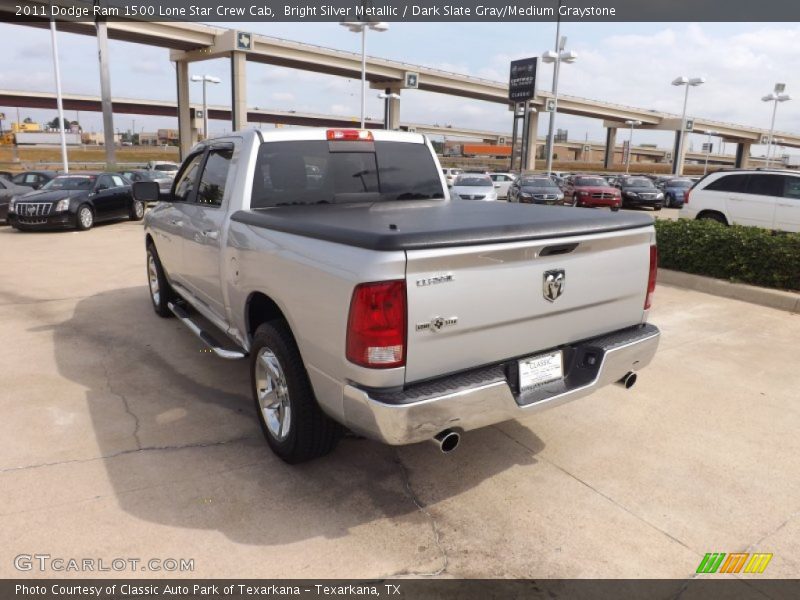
(365, 298)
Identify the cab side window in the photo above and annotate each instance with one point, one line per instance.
(212, 182)
(728, 183)
(186, 180)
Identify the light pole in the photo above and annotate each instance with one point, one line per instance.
(361, 27)
(632, 124)
(557, 57)
(205, 79)
(708, 149)
(387, 98)
(57, 70)
(688, 82)
(776, 96)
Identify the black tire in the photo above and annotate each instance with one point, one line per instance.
(657, 207)
(713, 216)
(161, 297)
(137, 210)
(669, 201)
(574, 199)
(310, 433)
(84, 217)
(615, 209)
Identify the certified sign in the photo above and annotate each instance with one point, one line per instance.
(522, 79)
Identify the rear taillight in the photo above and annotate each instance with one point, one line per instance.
(651, 278)
(686, 195)
(376, 328)
(349, 135)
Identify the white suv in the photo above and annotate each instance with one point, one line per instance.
(768, 199)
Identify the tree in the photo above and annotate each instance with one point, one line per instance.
(54, 124)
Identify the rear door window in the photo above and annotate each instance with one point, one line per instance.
(728, 183)
(321, 172)
(791, 187)
(765, 185)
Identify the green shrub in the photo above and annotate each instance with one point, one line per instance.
(742, 254)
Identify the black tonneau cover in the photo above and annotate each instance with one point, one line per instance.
(412, 225)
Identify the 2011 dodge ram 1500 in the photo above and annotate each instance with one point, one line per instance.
(365, 297)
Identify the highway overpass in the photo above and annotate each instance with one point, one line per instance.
(582, 151)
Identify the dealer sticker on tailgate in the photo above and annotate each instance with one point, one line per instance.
(540, 369)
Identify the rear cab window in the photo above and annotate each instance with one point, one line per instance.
(334, 172)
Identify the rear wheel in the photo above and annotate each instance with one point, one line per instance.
(712, 216)
(294, 425)
(84, 218)
(161, 293)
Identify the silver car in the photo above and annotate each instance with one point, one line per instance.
(473, 186)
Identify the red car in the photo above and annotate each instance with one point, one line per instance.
(591, 191)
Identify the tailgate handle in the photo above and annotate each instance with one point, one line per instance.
(558, 249)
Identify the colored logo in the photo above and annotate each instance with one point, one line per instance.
(736, 562)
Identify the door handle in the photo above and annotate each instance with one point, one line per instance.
(177, 222)
(785, 205)
(211, 234)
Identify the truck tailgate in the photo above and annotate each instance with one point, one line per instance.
(477, 305)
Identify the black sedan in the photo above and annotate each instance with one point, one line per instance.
(640, 191)
(539, 189)
(8, 190)
(77, 200)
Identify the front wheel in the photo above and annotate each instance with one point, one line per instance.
(294, 425)
(137, 211)
(575, 200)
(84, 218)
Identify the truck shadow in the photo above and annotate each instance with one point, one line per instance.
(183, 448)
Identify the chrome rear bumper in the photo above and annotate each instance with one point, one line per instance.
(488, 395)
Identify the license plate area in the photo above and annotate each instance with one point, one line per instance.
(538, 370)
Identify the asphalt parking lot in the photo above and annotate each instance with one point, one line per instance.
(120, 437)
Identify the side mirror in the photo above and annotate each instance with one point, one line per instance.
(145, 191)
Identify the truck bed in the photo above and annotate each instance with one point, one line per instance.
(416, 224)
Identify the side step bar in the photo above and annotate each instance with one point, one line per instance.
(206, 338)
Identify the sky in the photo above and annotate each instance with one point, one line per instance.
(624, 63)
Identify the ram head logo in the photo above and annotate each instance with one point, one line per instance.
(553, 284)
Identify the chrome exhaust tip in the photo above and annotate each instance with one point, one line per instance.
(628, 381)
(447, 440)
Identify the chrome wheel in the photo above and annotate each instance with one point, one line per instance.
(85, 217)
(138, 209)
(152, 278)
(273, 394)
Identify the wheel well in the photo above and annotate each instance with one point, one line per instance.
(260, 308)
(708, 213)
(148, 239)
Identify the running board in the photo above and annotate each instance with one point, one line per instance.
(205, 337)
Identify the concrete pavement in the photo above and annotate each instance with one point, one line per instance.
(121, 438)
